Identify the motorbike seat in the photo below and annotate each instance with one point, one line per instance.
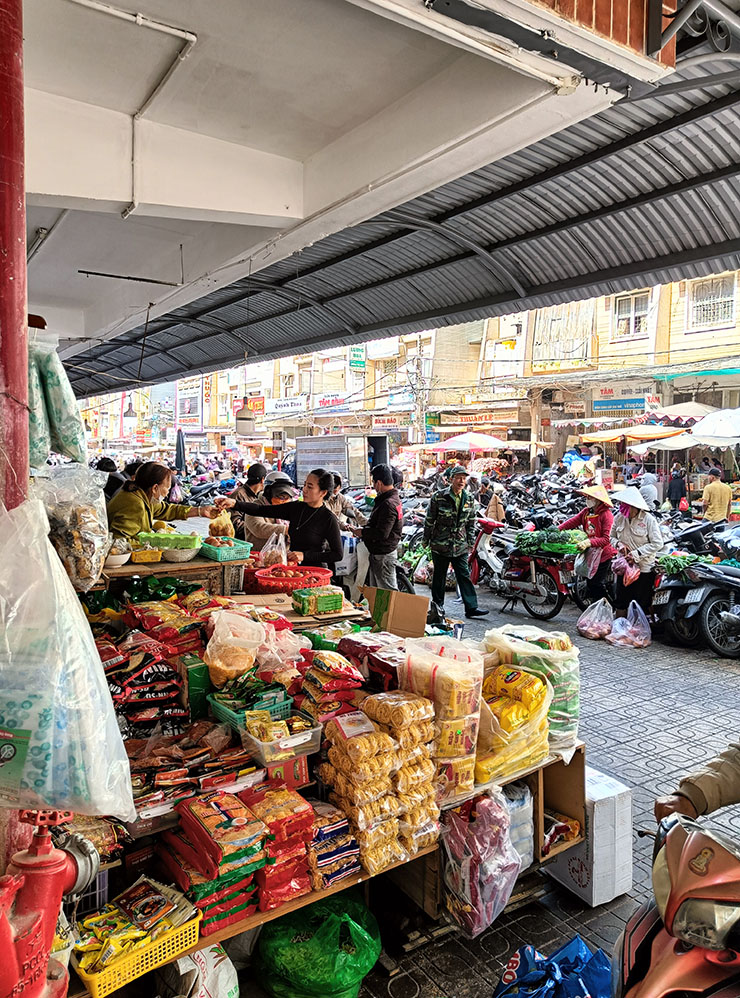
(729, 570)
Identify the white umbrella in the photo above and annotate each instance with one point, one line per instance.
(722, 423)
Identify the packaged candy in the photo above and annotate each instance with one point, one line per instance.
(397, 709)
(457, 736)
(143, 904)
(522, 686)
(336, 665)
(416, 773)
(455, 777)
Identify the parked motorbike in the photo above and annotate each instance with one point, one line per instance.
(687, 940)
(540, 582)
(674, 595)
(715, 591)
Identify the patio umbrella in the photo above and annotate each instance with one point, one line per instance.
(470, 442)
(722, 423)
(180, 453)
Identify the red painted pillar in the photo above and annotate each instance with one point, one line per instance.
(13, 293)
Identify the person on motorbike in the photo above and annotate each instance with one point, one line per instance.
(486, 492)
(596, 521)
(636, 535)
(715, 785)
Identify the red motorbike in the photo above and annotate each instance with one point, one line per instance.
(686, 942)
(541, 582)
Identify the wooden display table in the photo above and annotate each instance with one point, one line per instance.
(283, 603)
(215, 576)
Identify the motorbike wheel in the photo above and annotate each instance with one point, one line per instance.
(405, 585)
(714, 630)
(683, 631)
(548, 606)
(579, 593)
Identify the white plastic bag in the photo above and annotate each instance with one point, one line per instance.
(348, 564)
(520, 805)
(596, 620)
(275, 551)
(232, 649)
(65, 422)
(60, 746)
(587, 563)
(78, 522)
(206, 973)
(633, 630)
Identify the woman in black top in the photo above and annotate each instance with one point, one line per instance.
(311, 524)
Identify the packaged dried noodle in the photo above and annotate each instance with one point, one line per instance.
(411, 776)
(397, 708)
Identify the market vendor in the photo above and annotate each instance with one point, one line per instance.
(596, 521)
(312, 528)
(142, 501)
(636, 535)
(278, 490)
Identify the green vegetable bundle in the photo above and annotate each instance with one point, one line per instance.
(552, 540)
(675, 565)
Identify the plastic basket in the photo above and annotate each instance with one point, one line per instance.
(309, 577)
(241, 549)
(278, 711)
(127, 968)
(302, 743)
(94, 897)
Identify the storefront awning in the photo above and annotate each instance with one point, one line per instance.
(629, 433)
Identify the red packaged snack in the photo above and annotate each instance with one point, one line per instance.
(326, 711)
(333, 664)
(284, 811)
(168, 618)
(136, 641)
(278, 873)
(110, 656)
(273, 897)
(238, 914)
(322, 682)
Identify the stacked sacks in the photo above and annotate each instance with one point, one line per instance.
(551, 656)
(514, 725)
(289, 820)
(450, 674)
(333, 853)
(329, 685)
(213, 856)
(408, 719)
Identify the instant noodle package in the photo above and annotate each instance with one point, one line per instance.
(333, 853)
(450, 674)
(514, 725)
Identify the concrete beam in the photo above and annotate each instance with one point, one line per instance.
(79, 156)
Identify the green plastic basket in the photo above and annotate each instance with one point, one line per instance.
(241, 549)
(278, 711)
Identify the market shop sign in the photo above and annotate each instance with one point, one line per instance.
(357, 357)
(479, 418)
(330, 404)
(287, 406)
(256, 404)
(189, 404)
(391, 421)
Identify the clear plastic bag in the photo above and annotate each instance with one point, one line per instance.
(482, 864)
(67, 429)
(275, 551)
(232, 650)
(78, 522)
(549, 655)
(620, 565)
(633, 630)
(520, 805)
(502, 752)
(39, 432)
(587, 563)
(55, 708)
(596, 620)
(221, 525)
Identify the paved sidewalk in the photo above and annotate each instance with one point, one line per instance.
(647, 717)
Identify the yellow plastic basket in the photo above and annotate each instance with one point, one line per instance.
(127, 968)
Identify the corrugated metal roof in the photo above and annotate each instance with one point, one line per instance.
(556, 220)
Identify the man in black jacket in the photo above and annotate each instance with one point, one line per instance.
(383, 530)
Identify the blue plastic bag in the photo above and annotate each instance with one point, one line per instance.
(573, 972)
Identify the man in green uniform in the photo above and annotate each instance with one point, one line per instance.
(449, 530)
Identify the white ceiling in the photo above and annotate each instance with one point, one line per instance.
(269, 74)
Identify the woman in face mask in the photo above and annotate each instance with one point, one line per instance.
(596, 521)
(636, 535)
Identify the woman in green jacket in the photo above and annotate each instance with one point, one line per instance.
(141, 502)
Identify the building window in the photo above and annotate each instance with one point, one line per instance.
(631, 316)
(712, 303)
(304, 380)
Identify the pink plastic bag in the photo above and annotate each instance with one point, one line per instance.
(482, 864)
(632, 574)
(587, 563)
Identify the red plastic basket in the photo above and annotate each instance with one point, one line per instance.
(308, 577)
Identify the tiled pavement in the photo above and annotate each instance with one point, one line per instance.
(647, 717)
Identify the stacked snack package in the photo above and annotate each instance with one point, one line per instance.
(376, 655)
(552, 656)
(290, 822)
(329, 685)
(514, 724)
(450, 674)
(333, 853)
(213, 856)
(383, 782)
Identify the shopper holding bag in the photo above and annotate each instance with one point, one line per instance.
(636, 535)
(596, 521)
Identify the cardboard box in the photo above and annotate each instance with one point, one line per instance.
(292, 772)
(600, 869)
(398, 613)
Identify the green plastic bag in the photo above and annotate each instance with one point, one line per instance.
(323, 950)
